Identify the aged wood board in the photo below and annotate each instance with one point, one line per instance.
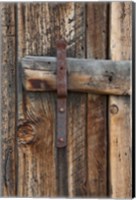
(93, 164)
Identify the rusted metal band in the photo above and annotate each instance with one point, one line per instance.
(61, 94)
(61, 69)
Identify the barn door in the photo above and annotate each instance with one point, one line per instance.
(93, 164)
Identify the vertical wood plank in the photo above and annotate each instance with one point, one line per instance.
(44, 24)
(36, 129)
(97, 33)
(77, 146)
(119, 107)
(36, 170)
(77, 110)
(8, 110)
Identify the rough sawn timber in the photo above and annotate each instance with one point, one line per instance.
(84, 75)
(120, 139)
(36, 164)
(8, 100)
(43, 24)
(96, 45)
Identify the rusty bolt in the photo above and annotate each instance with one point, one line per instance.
(61, 139)
(61, 109)
(114, 109)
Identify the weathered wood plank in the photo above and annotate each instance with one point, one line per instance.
(77, 145)
(120, 147)
(36, 128)
(36, 147)
(8, 109)
(105, 77)
(119, 107)
(96, 118)
(97, 143)
(77, 168)
(62, 20)
(68, 23)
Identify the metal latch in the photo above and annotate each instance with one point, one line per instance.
(61, 94)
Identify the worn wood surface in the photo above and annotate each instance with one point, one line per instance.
(36, 127)
(119, 107)
(8, 100)
(36, 162)
(77, 180)
(32, 166)
(39, 38)
(97, 34)
(77, 109)
(101, 76)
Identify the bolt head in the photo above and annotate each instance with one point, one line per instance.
(61, 139)
(114, 109)
(61, 109)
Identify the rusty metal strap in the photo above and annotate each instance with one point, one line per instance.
(61, 94)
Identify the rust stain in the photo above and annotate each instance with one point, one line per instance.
(39, 84)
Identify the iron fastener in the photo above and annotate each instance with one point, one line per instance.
(114, 109)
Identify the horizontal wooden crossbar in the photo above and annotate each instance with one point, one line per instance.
(84, 75)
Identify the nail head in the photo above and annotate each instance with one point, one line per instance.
(114, 109)
(61, 139)
(61, 109)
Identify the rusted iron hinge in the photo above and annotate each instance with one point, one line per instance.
(61, 94)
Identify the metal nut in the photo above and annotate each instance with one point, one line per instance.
(61, 110)
(114, 109)
(61, 139)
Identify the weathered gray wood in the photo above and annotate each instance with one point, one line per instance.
(76, 135)
(120, 138)
(77, 179)
(43, 24)
(36, 166)
(8, 100)
(97, 76)
(96, 45)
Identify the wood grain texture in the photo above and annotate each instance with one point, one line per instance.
(120, 147)
(44, 23)
(36, 165)
(97, 34)
(8, 111)
(97, 144)
(96, 30)
(77, 145)
(101, 76)
(119, 107)
(76, 149)
(36, 127)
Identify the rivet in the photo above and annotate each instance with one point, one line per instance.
(114, 109)
(61, 110)
(61, 139)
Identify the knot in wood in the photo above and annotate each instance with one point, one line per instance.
(26, 133)
(114, 109)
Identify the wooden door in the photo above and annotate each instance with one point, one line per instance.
(99, 133)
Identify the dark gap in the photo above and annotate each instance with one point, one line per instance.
(16, 97)
(108, 31)
(133, 97)
(86, 142)
(86, 30)
(107, 97)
